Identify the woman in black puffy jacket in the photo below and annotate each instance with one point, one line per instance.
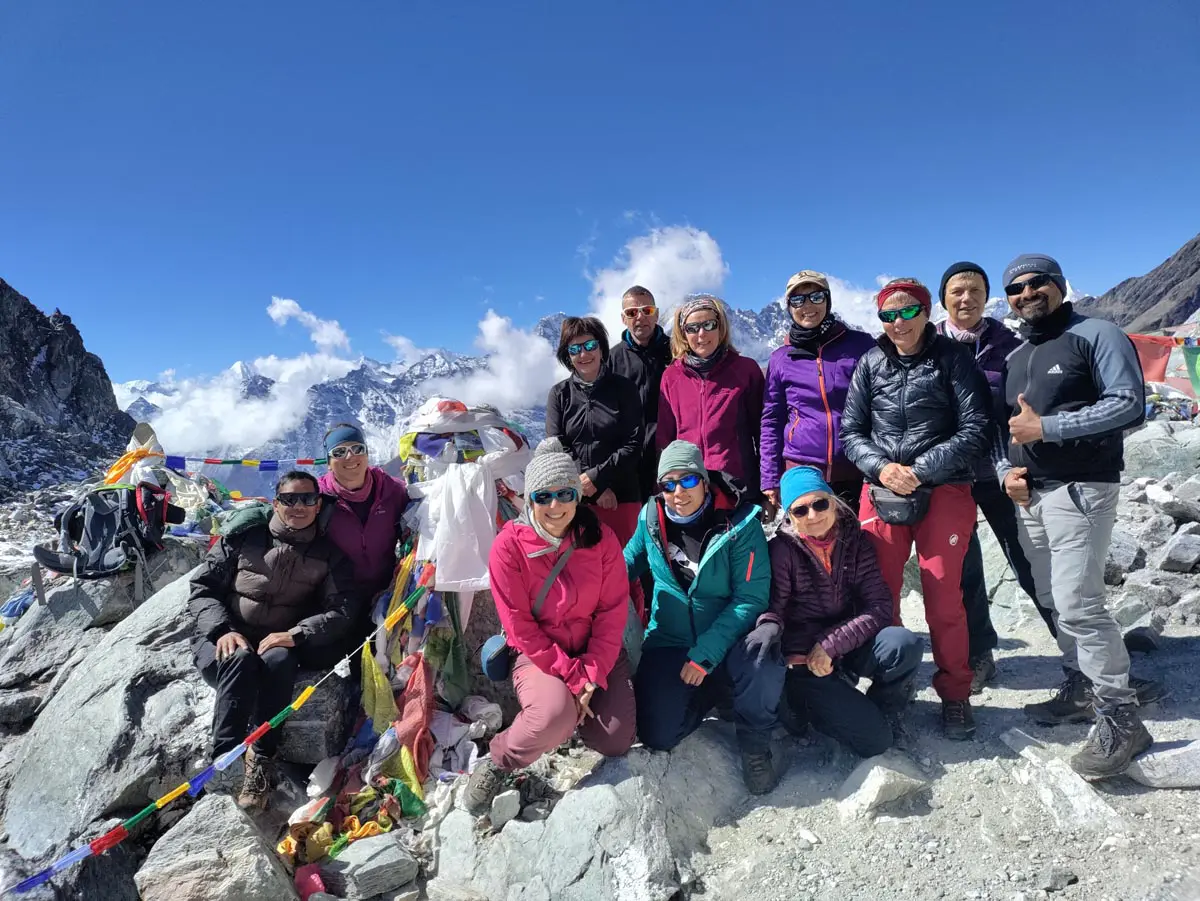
(917, 418)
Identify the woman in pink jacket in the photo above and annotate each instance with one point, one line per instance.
(570, 670)
(711, 395)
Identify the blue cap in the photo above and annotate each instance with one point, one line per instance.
(342, 433)
(799, 481)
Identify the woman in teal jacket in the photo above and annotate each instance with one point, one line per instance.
(706, 551)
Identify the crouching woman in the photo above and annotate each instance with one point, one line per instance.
(565, 624)
(707, 553)
(834, 609)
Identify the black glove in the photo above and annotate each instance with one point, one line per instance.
(761, 640)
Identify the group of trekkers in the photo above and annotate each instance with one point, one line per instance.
(664, 457)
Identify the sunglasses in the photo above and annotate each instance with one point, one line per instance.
(816, 298)
(562, 495)
(905, 313)
(634, 312)
(348, 450)
(695, 328)
(1036, 283)
(820, 505)
(689, 481)
(575, 350)
(291, 498)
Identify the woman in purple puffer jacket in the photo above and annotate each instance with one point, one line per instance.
(831, 614)
(805, 389)
(365, 522)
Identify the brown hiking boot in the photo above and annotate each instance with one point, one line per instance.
(482, 786)
(983, 670)
(256, 787)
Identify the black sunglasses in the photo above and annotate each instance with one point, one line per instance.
(816, 298)
(348, 450)
(820, 505)
(695, 328)
(291, 498)
(1036, 283)
(906, 313)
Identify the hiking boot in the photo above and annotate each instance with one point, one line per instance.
(958, 723)
(1114, 741)
(256, 786)
(1072, 703)
(762, 767)
(482, 786)
(902, 738)
(983, 670)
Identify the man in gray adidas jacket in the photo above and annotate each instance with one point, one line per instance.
(1072, 389)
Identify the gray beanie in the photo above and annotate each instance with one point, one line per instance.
(551, 467)
(1036, 263)
(682, 456)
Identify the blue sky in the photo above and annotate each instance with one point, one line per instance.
(402, 167)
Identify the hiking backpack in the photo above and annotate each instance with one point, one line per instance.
(109, 529)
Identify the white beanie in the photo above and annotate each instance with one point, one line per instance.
(551, 467)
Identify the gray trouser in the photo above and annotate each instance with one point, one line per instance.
(1065, 534)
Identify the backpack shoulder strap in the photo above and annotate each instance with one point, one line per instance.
(550, 579)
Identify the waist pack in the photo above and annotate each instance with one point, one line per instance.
(109, 529)
(496, 657)
(901, 509)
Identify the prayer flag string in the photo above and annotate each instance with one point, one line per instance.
(193, 786)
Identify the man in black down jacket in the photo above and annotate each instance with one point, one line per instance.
(1072, 389)
(267, 601)
(642, 355)
(917, 418)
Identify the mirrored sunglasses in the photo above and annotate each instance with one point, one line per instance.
(695, 328)
(816, 298)
(905, 313)
(1036, 283)
(575, 350)
(820, 505)
(291, 498)
(562, 495)
(634, 312)
(689, 481)
(348, 450)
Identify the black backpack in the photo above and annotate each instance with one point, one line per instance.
(108, 530)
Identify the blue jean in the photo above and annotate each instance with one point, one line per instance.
(668, 709)
(833, 703)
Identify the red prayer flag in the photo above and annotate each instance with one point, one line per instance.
(1153, 351)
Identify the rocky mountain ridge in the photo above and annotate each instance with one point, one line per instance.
(58, 412)
(1167, 295)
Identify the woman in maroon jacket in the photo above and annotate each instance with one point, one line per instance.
(831, 611)
(711, 395)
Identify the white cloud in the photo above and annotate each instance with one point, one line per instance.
(520, 371)
(406, 349)
(672, 262)
(326, 334)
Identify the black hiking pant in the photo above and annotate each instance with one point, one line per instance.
(1001, 514)
(251, 689)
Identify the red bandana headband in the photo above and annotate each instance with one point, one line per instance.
(920, 292)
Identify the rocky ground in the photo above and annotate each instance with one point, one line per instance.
(101, 711)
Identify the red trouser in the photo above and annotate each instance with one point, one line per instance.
(623, 521)
(942, 537)
(549, 716)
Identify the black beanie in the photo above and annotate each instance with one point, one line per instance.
(957, 269)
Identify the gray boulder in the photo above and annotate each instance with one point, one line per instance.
(71, 621)
(1155, 587)
(318, 729)
(215, 853)
(1125, 554)
(369, 867)
(1160, 448)
(616, 836)
(1175, 766)
(1181, 554)
(128, 725)
(1157, 530)
(1145, 633)
(1181, 503)
(878, 781)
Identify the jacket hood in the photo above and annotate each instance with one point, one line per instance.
(729, 492)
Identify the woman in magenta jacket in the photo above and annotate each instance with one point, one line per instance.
(570, 669)
(807, 380)
(711, 395)
(365, 520)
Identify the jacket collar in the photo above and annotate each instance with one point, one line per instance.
(657, 342)
(928, 339)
